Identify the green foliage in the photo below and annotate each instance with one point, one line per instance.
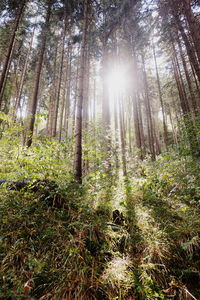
(189, 134)
(46, 159)
(45, 249)
(57, 237)
(169, 223)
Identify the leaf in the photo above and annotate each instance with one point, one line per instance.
(122, 203)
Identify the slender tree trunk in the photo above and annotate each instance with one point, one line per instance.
(180, 88)
(123, 140)
(19, 94)
(173, 127)
(116, 114)
(53, 88)
(6, 64)
(94, 99)
(38, 76)
(161, 99)
(130, 130)
(189, 47)
(192, 137)
(140, 119)
(193, 25)
(68, 99)
(196, 84)
(86, 107)
(184, 98)
(75, 100)
(137, 125)
(57, 102)
(106, 108)
(189, 82)
(149, 115)
(63, 104)
(79, 116)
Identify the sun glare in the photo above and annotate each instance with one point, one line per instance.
(117, 82)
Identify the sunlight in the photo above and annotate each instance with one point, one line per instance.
(117, 273)
(117, 81)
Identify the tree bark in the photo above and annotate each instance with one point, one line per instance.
(189, 82)
(79, 115)
(57, 100)
(189, 47)
(19, 93)
(38, 76)
(149, 115)
(10, 51)
(123, 140)
(194, 27)
(161, 99)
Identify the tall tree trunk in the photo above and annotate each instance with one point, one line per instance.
(53, 92)
(123, 139)
(57, 100)
(19, 93)
(189, 47)
(189, 82)
(75, 101)
(137, 125)
(140, 119)
(192, 137)
(38, 75)
(106, 108)
(68, 99)
(116, 114)
(193, 25)
(86, 107)
(148, 114)
(79, 115)
(65, 91)
(184, 98)
(173, 127)
(6, 64)
(196, 84)
(180, 88)
(161, 99)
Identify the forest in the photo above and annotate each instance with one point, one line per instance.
(99, 149)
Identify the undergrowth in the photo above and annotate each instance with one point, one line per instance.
(58, 239)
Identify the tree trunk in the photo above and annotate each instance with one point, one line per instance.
(106, 108)
(75, 101)
(19, 94)
(53, 90)
(161, 99)
(137, 126)
(116, 114)
(57, 100)
(193, 25)
(149, 115)
(38, 75)
(10, 51)
(79, 115)
(122, 136)
(189, 47)
(189, 82)
(192, 137)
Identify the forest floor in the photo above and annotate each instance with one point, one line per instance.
(61, 240)
(148, 248)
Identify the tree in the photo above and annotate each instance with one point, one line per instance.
(42, 46)
(19, 9)
(79, 116)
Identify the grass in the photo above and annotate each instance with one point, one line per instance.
(58, 241)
